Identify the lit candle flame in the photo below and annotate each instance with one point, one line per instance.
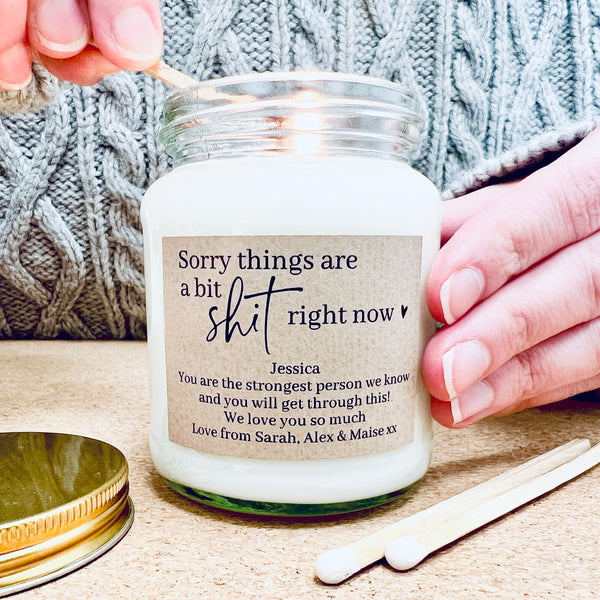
(309, 121)
(306, 143)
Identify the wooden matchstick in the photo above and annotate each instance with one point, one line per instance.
(406, 552)
(172, 77)
(337, 564)
(180, 81)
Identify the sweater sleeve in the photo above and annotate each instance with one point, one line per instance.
(505, 87)
(40, 91)
(521, 160)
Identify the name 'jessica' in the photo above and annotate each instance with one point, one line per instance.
(300, 369)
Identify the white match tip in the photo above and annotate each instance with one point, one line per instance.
(405, 553)
(337, 564)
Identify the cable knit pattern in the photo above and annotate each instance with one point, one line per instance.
(505, 85)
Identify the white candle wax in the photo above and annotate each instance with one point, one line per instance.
(286, 256)
(288, 195)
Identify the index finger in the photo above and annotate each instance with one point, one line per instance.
(13, 19)
(15, 57)
(57, 28)
(551, 208)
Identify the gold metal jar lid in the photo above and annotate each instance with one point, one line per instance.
(64, 501)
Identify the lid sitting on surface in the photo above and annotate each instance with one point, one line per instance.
(64, 501)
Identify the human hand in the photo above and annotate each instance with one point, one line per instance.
(518, 283)
(127, 34)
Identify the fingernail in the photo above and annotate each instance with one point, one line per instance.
(463, 365)
(15, 66)
(135, 35)
(472, 401)
(460, 292)
(61, 26)
(9, 86)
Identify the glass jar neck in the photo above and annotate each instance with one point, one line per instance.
(298, 113)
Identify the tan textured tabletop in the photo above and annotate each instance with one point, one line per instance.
(177, 549)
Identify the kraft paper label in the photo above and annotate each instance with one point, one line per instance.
(292, 347)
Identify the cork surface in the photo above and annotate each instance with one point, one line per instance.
(177, 549)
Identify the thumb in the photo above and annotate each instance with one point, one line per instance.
(15, 57)
(127, 32)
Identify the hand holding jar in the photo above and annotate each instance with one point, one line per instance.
(127, 34)
(517, 283)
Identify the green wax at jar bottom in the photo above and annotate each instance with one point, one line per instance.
(283, 509)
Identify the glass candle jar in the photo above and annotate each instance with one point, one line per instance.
(286, 255)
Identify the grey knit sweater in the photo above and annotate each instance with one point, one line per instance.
(507, 84)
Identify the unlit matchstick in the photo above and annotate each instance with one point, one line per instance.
(409, 550)
(337, 564)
